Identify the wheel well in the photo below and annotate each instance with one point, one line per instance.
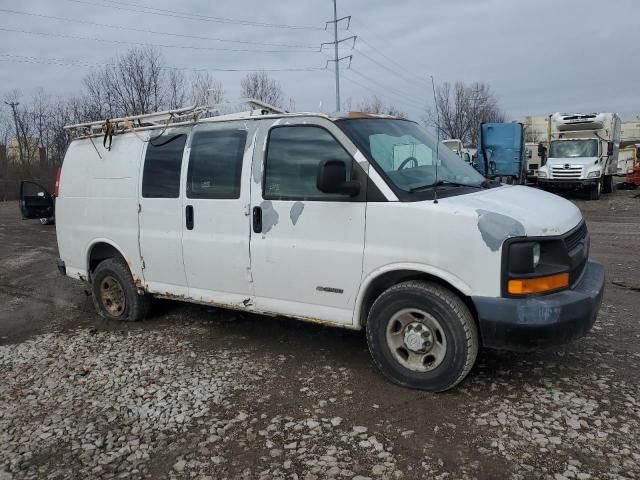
(100, 252)
(389, 279)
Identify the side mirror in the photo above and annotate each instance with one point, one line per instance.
(332, 178)
(542, 150)
(610, 146)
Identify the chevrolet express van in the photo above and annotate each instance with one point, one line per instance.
(357, 221)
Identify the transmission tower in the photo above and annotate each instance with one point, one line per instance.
(336, 47)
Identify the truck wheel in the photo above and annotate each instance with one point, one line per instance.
(594, 191)
(115, 295)
(421, 335)
(608, 184)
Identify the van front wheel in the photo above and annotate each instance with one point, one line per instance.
(421, 335)
(115, 295)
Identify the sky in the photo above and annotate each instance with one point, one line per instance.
(538, 56)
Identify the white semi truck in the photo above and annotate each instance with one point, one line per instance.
(582, 153)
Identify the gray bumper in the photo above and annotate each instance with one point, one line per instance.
(525, 323)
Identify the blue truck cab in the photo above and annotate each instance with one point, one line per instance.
(501, 152)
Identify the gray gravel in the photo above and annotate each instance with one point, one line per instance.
(197, 393)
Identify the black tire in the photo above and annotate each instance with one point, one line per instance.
(458, 327)
(114, 271)
(608, 185)
(594, 191)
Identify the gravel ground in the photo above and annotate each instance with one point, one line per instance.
(195, 392)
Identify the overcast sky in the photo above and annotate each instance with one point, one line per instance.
(538, 56)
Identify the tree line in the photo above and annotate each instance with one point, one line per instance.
(33, 142)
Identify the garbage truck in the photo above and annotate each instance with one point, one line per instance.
(501, 152)
(582, 153)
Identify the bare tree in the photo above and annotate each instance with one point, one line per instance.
(206, 90)
(261, 86)
(376, 105)
(176, 93)
(462, 108)
(132, 84)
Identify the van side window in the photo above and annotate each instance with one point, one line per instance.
(215, 164)
(291, 165)
(161, 175)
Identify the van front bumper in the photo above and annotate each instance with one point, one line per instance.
(556, 318)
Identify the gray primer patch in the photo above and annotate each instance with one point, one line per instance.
(296, 211)
(496, 228)
(257, 171)
(269, 216)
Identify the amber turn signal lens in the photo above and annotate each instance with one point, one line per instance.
(539, 284)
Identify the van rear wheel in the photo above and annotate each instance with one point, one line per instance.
(422, 335)
(115, 295)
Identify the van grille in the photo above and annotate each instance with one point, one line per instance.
(576, 237)
(569, 173)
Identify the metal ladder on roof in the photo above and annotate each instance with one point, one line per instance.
(168, 117)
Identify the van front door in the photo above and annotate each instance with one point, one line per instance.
(215, 240)
(161, 215)
(306, 246)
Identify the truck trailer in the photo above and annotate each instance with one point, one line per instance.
(501, 152)
(582, 153)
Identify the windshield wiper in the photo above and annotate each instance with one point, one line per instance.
(442, 182)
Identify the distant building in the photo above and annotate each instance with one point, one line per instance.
(13, 151)
(630, 129)
(535, 128)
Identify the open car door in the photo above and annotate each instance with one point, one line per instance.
(35, 201)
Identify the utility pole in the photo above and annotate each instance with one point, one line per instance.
(13, 106)
(335, 55)
(336, 44)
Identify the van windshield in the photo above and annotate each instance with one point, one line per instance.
(407, 154)
(573, 148)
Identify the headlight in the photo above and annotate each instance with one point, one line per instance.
(595, 174)
(535, 267)
(542, 174)
(524, 257)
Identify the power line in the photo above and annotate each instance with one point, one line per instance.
(382, 65)
(384, 87)
(406, 104)
(126, 42)
(191, 16)
(7, 57)
(119, 27)
(388, 58)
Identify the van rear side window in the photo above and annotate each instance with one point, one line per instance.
(215, 164)
(161, 175)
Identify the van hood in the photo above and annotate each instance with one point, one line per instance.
(519, 211)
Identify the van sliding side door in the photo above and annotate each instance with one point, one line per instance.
(215, 241)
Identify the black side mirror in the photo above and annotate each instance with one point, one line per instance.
(542, 150)
(332, 178)
(610, 146)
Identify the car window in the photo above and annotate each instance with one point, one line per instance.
(215, 164)
(293, 156)
(161, 175)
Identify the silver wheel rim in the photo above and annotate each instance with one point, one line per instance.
(112, 296)
(416, 340)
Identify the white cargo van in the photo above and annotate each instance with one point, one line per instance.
(349, 221)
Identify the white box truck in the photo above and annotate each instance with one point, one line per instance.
(582, 154)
